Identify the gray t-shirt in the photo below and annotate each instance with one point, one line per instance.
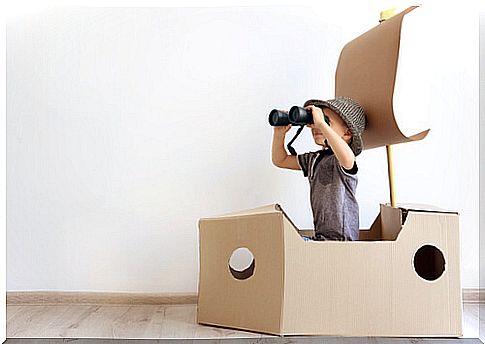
(332, 195)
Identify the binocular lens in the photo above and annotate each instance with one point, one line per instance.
(300, 116)
(296, 116)
(278, 118)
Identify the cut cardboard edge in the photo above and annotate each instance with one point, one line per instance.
(265, 209)
(418, 207)
(277, 208)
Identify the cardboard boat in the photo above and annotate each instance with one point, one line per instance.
(401, 278)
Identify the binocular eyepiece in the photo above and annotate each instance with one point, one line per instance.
(296, 116)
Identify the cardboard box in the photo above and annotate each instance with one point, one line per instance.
(402, 278)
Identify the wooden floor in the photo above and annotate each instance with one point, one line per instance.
(154, 322)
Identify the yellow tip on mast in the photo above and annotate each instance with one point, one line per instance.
(386, 14)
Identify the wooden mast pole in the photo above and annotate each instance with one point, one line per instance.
(386, 14)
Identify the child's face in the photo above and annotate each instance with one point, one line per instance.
(336, 123)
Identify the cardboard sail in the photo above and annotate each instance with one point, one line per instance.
(366, 72)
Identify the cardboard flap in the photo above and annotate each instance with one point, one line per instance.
(391, 222)
(366, 72)
(226, 298)
(265, 209)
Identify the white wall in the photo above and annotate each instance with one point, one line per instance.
(124, 126)
(482, 148)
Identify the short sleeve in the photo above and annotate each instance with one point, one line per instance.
(304, 162)
(352, 171)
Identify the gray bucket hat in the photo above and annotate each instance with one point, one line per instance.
(351, 112)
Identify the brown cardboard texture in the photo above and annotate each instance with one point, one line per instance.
(366, 72)
(402, 278)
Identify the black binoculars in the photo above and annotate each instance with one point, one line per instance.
(296, 116)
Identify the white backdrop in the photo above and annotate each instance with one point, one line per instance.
(482, 146)
(126, 125)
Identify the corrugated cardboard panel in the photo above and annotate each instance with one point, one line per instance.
(370, 288)
(436, 303)
(391, 222)
(336, 288)
(253, 303)
(366, 72)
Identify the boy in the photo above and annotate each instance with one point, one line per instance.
(331, 171)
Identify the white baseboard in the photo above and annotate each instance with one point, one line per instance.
(473, 295)
(59, 297)
(469, 295)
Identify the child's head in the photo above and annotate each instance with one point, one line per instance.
(345, 117)
(336, 123)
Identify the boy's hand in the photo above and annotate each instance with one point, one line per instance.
(317, 113)
(281, 130)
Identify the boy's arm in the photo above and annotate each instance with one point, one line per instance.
(279, 156)
(340, 148)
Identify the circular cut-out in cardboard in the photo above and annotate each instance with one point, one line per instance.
(242, 263)
(429, 262)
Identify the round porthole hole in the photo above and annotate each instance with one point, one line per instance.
(242, 263)
(429, 262)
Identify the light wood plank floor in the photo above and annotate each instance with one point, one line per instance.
(152, 322)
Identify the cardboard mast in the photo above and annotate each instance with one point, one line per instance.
(386, 14)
